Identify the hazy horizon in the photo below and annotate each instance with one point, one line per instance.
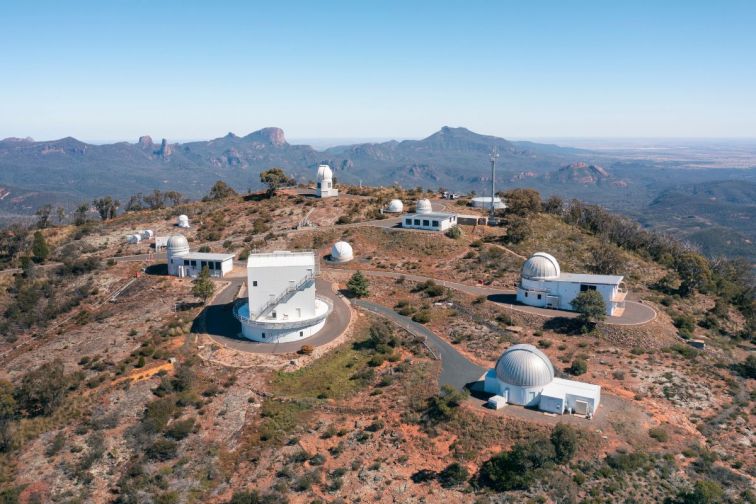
(100, 70)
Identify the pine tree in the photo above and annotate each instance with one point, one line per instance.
(40, 250)
(203, 286)
(591, 307)
(358, 284)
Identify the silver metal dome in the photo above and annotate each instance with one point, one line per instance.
(177, 242)
(540, 266)
(423, 206)
(524, 366)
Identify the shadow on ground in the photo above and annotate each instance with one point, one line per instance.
(504, 298)
(157, 269)
(218, 320)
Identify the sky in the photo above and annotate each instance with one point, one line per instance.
(115, 70)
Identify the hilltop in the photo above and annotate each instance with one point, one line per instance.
(147, 403)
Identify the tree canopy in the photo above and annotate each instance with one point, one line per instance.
(275, 178)
(220, 190)
(359, 285)
(590, 305)
(203, 287)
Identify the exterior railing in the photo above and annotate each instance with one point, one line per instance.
(282, 325)
(308, 278)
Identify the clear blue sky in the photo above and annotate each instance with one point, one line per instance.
(105, 70)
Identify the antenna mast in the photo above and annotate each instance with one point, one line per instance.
(492, 216)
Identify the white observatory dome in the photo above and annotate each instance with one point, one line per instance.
(395, 206)
(423, 206)
(524, 366)
(324, 173)
(183, 221)
(540, 266)
(177, 244)
(341, 252)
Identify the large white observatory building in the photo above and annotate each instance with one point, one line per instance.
(183, 263)
(544, 284)
(325, 182)
(524, 375)
(282, 305)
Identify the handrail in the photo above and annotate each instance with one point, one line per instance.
(309, 277)
(282, 325)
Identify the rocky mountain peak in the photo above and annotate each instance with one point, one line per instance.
(272, 136)
(145, 141)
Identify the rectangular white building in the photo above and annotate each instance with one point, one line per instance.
(568, 395)
(558, 292)
(281, 285)
(434, 221)
(191, 264)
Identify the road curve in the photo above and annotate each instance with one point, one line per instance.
(636, 313)
(456, 369)
(218, 322)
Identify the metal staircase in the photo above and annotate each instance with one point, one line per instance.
(284, 296)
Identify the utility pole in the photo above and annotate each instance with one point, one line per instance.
(492, 216)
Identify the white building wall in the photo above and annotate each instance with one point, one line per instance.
(426, 222)
(264, 283)
(537, 292)
(177, 266)
(281, 335)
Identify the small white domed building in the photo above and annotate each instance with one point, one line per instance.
(183, 221)
(183, 263)
(524, 375)
(544, 284)
(395, 206)
(325, 182)
(341, 252)
(423, 206)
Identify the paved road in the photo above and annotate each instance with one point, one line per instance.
(219, 323)
(635, 313)
(456, 370)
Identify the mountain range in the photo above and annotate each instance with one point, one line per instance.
(67, 171)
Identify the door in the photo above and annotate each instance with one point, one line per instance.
(581, 407)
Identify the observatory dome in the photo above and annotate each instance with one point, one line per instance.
(177, 244)
(183, 221)
(341, 252)
(395, 206)
(324, 173)
(423, 206)
(524, 366)
(540, 266)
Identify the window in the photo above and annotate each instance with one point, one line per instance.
(194, 264)
(217, 265)
(301, 333)
(435, 223)
(318, 185)
(426, 223)
(526, 294)
(417, 222)
(584, 287)
(539, 296)
(254, 283)
(263, 335)
(408, 222)
(186, 262)
(273, 314)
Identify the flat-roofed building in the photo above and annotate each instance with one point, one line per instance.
(434, 221)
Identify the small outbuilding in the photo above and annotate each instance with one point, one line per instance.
(133, 239)
(325, 182)
(485, 202)
(183, 263)
(544, 284)
(395, 206)
(524, 375)
(435, 221)
(341, 252)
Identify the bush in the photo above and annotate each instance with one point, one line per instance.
(180, 429)
(306, 350)
(454, 232)
(161, 450)
(564, 439)
(658, 433)
(359, 285)
(421, 317)
(454, 474)
(41, 391)
(578, 367)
